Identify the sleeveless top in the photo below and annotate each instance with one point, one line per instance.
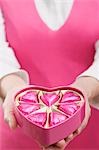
(52, 58)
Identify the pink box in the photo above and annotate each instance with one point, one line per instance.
(49, 114)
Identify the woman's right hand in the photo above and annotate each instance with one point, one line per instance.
(9, 86)
(8, 110)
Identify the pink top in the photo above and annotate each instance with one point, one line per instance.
(52, 58)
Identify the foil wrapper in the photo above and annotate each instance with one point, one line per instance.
(48, 108)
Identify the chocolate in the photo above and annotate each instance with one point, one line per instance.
(57, 106)
(70, 97)
(30, 96)
(49, 98)
(27, 108)
(69, 109)
(56, 117)
(38, 118)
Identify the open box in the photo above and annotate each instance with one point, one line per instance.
(49, 114)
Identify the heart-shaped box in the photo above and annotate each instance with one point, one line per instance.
(49, 114)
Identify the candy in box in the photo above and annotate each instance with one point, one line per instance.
(49, 114)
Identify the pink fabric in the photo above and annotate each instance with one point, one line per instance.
(52, 58)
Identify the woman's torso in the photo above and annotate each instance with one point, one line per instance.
(52, 57)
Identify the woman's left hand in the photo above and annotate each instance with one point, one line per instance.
(90, 87)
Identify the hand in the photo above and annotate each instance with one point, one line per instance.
(8, 88)
(90, 87)
(8, 107)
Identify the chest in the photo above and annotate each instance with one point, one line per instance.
(23, 15)
(23, 24)
(46, 50)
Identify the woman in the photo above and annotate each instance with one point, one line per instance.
(54, 44)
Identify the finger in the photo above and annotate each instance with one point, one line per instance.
(8, 114)
(68, 139)
(61, 143)
(72, 136)
(97, 44)
(84, 123)
(52, 147)
(57, 146)
(86, 119)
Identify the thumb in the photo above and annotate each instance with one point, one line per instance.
(9, 112)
